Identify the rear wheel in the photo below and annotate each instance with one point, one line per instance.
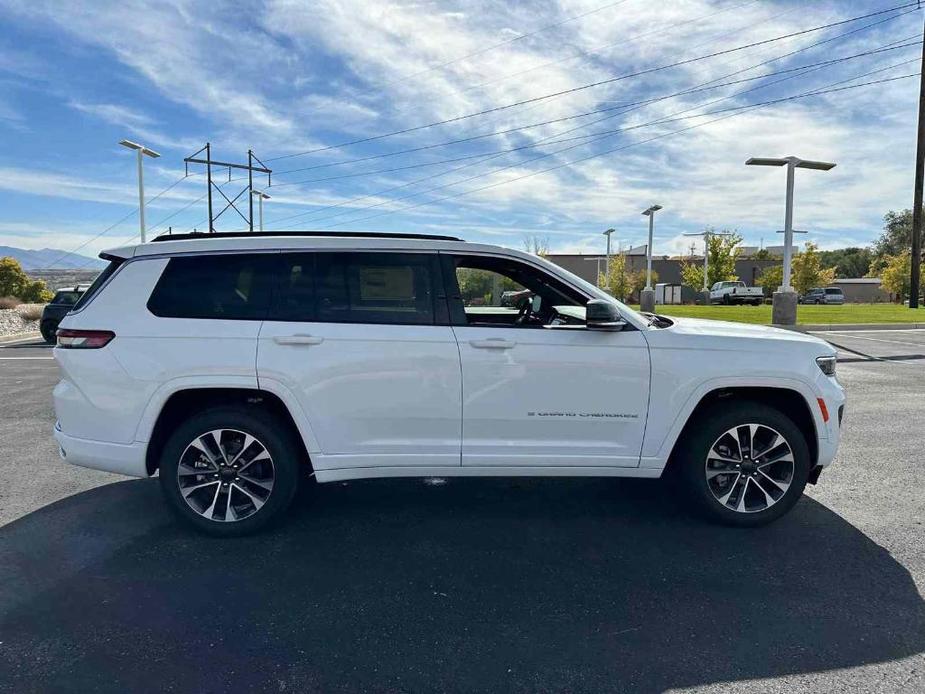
(49, 330)
(230, 471)
(742, 464)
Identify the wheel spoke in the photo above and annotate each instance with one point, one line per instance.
(199, 445)
(780, 454)
(717, 472)
(186, 470)
(768, 499)
(264, 484)
(782, 486)
(724, 500)
(229, 509)
(740, 507)
(263, 455)
(210, 512)
(770, 447)
(257, 501)
(186, 491)
(248, 440)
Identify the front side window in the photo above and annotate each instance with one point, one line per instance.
(66, 298)
(227, 286)
(492, 292)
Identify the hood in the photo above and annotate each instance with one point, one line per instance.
(727, 329)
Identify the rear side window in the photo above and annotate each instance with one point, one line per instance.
(394, 288)
(833, 290)
(100, 280)
(229, 287)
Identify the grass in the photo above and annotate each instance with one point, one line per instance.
(848, 313)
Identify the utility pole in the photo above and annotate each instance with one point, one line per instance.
(917, 196)
(142, 152)
(249, 188)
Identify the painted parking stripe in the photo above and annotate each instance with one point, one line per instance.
(27, 358)
(889, 342)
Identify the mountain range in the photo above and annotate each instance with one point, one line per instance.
(51, 258)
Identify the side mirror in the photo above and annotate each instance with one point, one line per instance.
(603, 315)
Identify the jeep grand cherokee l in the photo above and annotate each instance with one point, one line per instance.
(236, 365)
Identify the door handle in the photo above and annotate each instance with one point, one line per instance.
(492, 343)
(298, 340)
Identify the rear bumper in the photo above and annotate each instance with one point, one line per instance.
(123, 459)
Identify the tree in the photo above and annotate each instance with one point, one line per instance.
(620, 281)
(15, 282)
(848, 262)
(770, 279)
(537, 245)
(723, 252)
(762, 254)
(808, 271)
(896, 275)
(897, 234)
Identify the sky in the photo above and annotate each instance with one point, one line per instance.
(298, 81)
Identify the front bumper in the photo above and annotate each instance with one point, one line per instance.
(123, 459)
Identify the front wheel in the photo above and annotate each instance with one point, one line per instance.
(742, 464)
(230, 471)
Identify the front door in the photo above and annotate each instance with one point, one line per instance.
(362, 341)
(539, 389)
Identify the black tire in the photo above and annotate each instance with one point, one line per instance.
(49, 330)
(281, 444)
(690, 460)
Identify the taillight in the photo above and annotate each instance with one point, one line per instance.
(84, 339)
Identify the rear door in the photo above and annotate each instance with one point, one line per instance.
(361, 341)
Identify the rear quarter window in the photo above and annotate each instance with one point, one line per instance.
(98, 283)
(223, 287)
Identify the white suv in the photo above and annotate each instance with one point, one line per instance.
(236, 364)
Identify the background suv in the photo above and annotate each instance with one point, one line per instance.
(235, 365)
(56, 309)
(824, 295)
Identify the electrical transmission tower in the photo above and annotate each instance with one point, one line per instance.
(211, 184)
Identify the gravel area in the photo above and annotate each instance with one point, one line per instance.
(12, 321)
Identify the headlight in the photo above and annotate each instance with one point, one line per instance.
(827, 364)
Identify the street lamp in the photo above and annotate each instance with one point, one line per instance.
(707, 234)
(607, 264)
(142, 150)
(647, 295)
(784, 311)
(261, 196)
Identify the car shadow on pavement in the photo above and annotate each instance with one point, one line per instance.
(592, 585)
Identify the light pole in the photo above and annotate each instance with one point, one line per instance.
(707, 235)
(647, 295)
(261, 196)
(142, 150)
(784, 311)
(607, 264)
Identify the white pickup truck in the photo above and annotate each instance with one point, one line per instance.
(735, 293)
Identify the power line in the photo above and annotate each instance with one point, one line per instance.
(598, 83)
(824, 63)
(546, 140)
(113, 226)
(739, 111)
(486, 49)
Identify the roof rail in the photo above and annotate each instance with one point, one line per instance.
(330, 234)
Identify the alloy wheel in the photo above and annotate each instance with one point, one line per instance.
(226, 475)
(749, 468)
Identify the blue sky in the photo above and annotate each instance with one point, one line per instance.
(285, 77)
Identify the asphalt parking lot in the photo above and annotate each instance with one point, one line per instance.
(497, 585)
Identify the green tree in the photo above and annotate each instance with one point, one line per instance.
(897, 234)
(15, 282)
(848, 262)
(807, 270)
(895, 274)
(770, 279)
(723, 252)
(620, 281)
(762, 254)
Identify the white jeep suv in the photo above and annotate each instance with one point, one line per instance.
(235, 365)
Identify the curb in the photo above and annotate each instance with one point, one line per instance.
(826, 327)
(16, 337)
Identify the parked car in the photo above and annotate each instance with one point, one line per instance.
(735, 293)
(62, 302)
(826, 295)
(237, 366)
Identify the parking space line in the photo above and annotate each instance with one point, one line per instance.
(27, 358)
(889, 342)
